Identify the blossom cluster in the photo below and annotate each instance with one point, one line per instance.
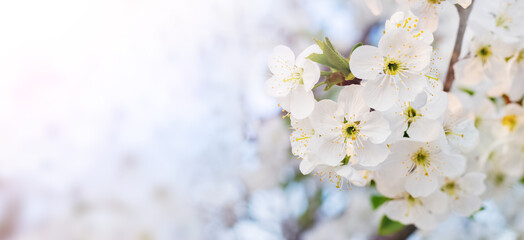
(429, 152)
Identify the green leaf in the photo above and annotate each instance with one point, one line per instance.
(522, 180)
(325, 73)
(330, 57)
(377, 200)
(388, 226)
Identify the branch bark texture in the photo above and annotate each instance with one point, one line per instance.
(463, 22)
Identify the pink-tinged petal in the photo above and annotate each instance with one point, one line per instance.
(380, 94)
(302, 102)
(374, 127)
(366, 62)
(369, 154)
(375, 6)
(420, 185)
(469, 71)
(430, 19)
(425, 129)
(276, 87)
(464, 3)
(281, 60)
(310, 75)
(352, 101)
(325, 119)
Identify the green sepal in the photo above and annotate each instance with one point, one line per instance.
(356, 46)
(378, 200)
(345, 161)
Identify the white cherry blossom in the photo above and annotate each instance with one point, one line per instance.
(485, 63)
(348, 128)
(459, 127)
(407, 21)
(417, 165)
(420, 211)
(293, 80)
(463, 193)
(394, 69)
(428, 10)
(419, 119)
(510, 122)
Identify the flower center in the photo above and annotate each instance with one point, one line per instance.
(434, 1)
(449, 188)
(484, 53)
(295, 76)
(520, 57)
(503, 20)
(499, 179)
(392, 66)
(510, 121)
(411, 114)
(351, 130)
(420, 158)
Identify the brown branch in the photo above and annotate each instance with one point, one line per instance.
(463, 22)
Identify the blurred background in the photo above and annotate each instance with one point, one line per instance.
(135, 119)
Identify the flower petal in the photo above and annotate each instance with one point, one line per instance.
(352, 101)
(410, 85)
(465, 205)
(366, 62)
(281, 60)
(473, 183)
(275, 87)
(437, 202)
(436, 104)
(451, 164)
(325, 119)
(374, 127)
(302, 102)
(332, 150)
(425, 129)
(380, 94)
(420, 185)
(310, 75)
(302, 57)
(370, 154)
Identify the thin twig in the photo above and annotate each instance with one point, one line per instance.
(463, 22)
